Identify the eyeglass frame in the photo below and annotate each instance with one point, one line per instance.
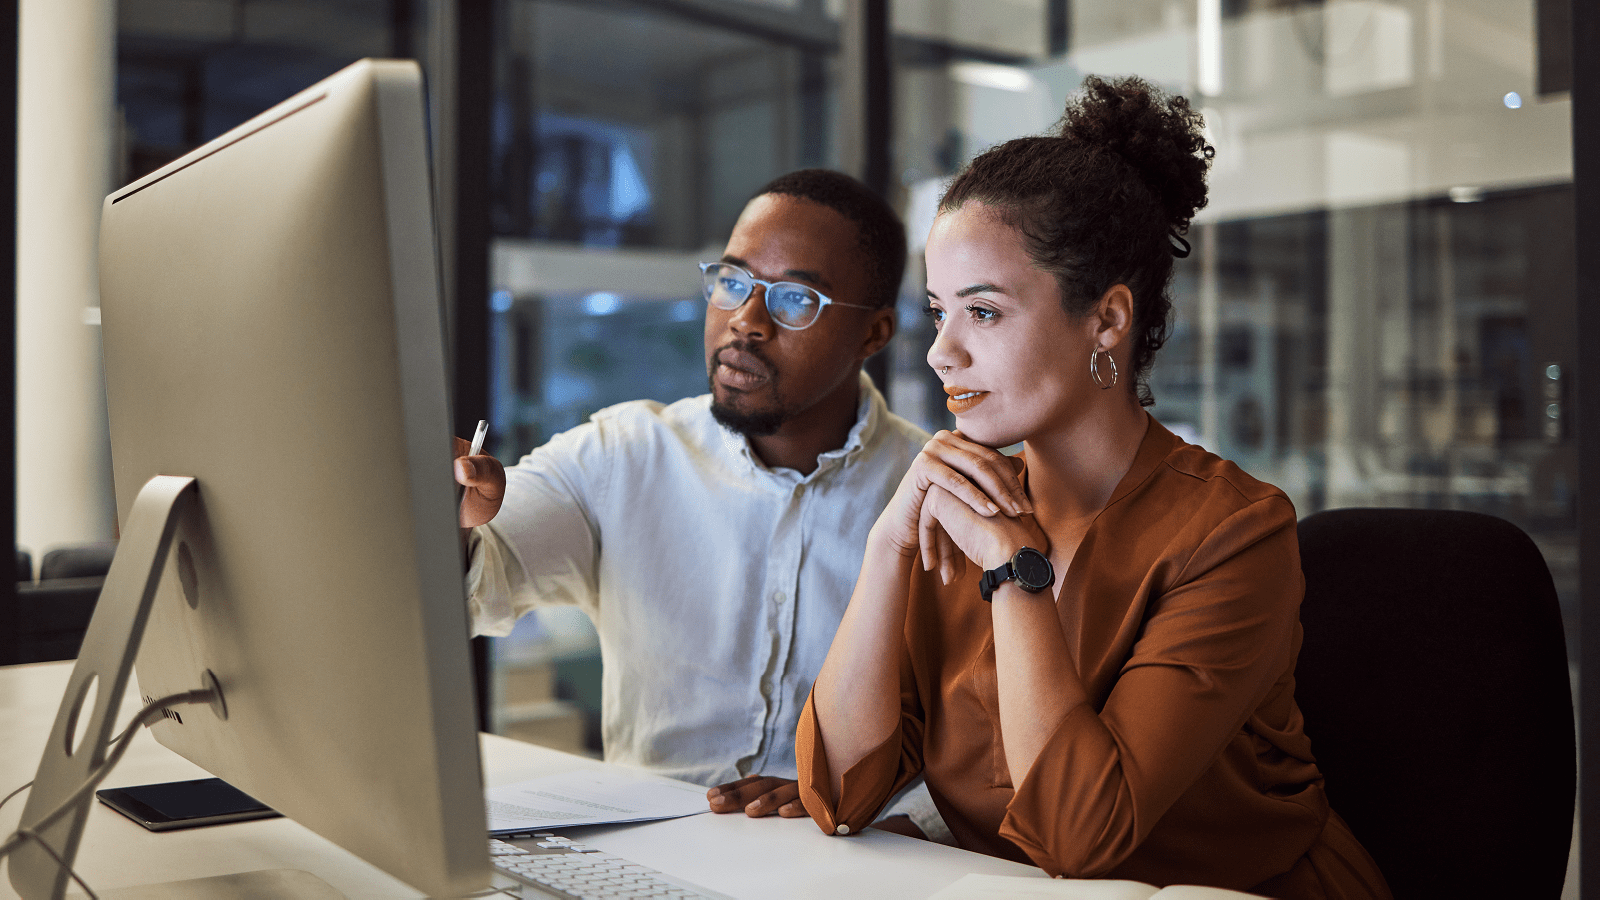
(824, 301)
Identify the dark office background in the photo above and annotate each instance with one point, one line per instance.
(518, 161)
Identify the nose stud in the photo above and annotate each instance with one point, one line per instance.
(945, 370)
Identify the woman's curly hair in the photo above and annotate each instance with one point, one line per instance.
(1103, 201)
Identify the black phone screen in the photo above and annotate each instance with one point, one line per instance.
(184, 804)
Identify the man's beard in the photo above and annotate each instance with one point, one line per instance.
(749, 424)
(760, 423)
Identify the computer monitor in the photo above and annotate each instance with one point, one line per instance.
(272, 328)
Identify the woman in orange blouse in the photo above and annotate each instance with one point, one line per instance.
(1093, 664)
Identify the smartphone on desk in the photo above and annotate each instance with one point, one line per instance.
(185, 804)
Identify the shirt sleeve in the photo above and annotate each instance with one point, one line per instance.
(1212, 647)
(543, 547)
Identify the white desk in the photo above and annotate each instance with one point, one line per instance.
(733, 854)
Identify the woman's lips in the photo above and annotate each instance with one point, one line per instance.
(740, 370)
(962, 399)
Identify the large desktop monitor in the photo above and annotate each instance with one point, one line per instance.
(273, 330)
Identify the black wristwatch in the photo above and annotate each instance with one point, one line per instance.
(1028, 567)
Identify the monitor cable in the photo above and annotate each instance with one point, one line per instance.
(151, 712)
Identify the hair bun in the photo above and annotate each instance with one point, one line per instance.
(1159, 135)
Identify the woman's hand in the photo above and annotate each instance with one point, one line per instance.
(485, 481)
(970, 475)
(961, 533)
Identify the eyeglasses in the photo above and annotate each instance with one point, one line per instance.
(794, 306)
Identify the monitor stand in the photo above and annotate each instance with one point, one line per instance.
(265, 884)
(77, 749)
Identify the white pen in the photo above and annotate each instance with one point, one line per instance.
(477, 447)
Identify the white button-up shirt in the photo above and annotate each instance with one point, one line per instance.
(715, 583)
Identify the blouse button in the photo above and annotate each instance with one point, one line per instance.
(842, 829)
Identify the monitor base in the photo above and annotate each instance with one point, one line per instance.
(262, 884)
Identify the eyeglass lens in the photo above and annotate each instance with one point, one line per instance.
(794, 305)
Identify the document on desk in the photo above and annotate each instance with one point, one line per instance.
(590, 797)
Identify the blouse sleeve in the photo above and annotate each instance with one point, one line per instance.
(1212, 647)
(874, 779)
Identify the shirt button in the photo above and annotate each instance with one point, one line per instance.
(778, 596)
(842, 829)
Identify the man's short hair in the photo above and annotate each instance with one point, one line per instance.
(879, 232)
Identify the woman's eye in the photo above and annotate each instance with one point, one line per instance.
(934, 313)
(982, 313)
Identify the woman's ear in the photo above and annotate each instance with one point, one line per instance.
(1112, 319)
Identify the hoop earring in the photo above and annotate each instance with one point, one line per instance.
(1094, 368)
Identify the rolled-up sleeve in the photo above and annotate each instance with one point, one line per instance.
(544, 546)
(1214, 644)
(875, 778)
(866, 786)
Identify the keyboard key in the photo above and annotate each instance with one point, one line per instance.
(572, 870)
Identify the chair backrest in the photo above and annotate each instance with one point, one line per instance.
(52, 617)
(1434, 683)
(24, 565)
(91, 560)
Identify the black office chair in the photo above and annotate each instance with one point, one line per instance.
(91, 560)
(52, 614)
(24, 565)
(1434, 684)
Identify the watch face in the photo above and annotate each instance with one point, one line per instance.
(1032, 569)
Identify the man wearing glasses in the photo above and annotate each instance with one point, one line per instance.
(715, 541)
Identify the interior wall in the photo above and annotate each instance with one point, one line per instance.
(65, 149)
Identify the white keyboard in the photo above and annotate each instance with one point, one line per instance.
(562, 868)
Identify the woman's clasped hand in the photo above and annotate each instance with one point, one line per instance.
(960, 500)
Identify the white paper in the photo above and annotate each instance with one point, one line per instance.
(590, 797)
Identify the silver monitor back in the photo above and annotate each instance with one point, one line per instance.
(272, 326)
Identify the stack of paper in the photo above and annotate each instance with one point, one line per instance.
(590, 797)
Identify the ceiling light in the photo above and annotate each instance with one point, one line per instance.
(978, 74)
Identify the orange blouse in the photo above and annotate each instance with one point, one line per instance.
(1190, 764)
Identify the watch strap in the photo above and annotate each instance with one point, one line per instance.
(993, 578)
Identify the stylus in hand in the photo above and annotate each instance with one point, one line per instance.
(477, 447)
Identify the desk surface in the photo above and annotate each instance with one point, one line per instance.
(733, 854)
